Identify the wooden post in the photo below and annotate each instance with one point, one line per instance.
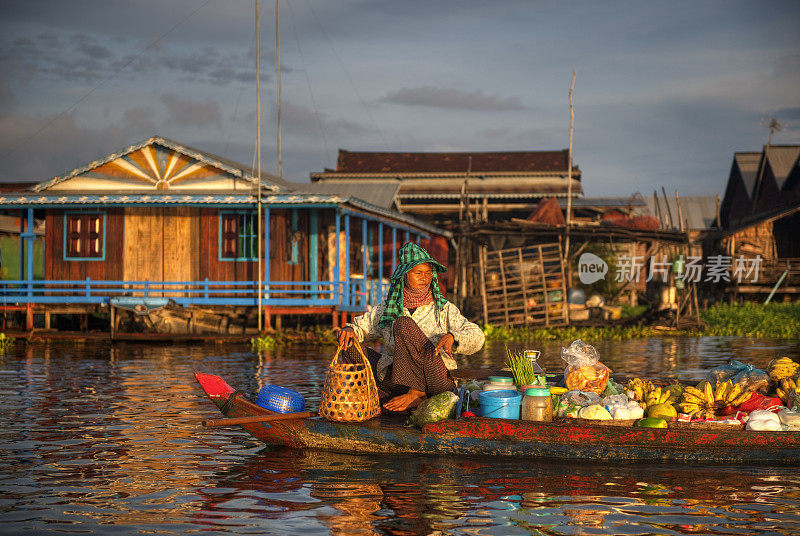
(482, 268)
(666, 202)
(544, 286)
(111, 320)
(503, 279)
(29, 317)
(680, 211)
(524, 281)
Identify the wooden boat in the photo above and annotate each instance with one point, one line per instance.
(520, 439)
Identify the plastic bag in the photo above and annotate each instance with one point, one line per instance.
(584, 370)
(615, 401)
(753, 379)
(434, 409)
(758, 402)
(724, 373)
(580, 398)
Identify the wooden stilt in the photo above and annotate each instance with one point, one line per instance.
(29, 317)
(267, 318)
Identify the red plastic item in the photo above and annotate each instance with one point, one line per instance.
(759, 401)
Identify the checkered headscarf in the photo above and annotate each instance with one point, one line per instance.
(410, 256)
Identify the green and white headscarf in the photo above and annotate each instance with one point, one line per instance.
(410, 255)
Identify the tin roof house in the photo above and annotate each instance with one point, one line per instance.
(159, 224)
(437, 186)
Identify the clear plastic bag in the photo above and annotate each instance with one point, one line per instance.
(724, 373)
(580, 398)
(584, 370)
(753, 379)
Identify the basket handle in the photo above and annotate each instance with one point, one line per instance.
(360, 351)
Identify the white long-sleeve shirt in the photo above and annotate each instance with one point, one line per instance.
(468, 335)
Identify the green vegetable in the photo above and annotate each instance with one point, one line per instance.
(434, 409)
(522, 369)
(651, 422)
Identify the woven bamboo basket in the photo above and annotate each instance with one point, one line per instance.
(350, 393)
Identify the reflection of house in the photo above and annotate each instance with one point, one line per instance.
(760, 215)
(161, 221)
(437, 186)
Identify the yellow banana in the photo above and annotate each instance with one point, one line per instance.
(692, 399)
(744, 397)
(735, 391)
(695, 392)
(709, 392)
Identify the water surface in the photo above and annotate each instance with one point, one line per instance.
(100, 439)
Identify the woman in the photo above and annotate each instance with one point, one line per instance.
(420, 330)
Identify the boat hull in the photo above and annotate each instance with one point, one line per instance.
(511, 438)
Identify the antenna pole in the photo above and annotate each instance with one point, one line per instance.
(258, 160)
(278, 50)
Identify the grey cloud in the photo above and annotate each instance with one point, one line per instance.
(89, 47)
(451, 98)
(185, 111)
(6, 95)
(303, 121)
(64, 144)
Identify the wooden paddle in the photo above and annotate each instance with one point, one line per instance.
(258, 418)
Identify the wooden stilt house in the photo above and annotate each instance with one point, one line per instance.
(160, 225)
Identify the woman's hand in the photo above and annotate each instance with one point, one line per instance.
(446, 342)
(345, 337)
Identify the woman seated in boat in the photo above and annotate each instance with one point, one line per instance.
(420, 330)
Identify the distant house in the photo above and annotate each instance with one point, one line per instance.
(439, 186)
(159, 221)
(760, 216)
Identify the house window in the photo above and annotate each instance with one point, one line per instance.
(84, 236)
(238, 236)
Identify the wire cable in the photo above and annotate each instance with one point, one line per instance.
(347, 74)
(308, 83)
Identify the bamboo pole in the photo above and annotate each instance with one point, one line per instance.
(680, 210)
(257, 418)
(569, 177)
(669, 210)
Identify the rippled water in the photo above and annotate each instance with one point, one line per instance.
(97, 439)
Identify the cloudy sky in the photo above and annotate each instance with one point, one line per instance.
(665, 91)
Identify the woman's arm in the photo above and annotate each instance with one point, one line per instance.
(469, 337)
(366, 326)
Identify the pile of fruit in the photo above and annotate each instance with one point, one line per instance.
(703, 401)
(708, 399)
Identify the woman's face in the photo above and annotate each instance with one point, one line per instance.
(419, 276)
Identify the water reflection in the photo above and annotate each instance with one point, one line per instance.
(95, 439)
(400, 496)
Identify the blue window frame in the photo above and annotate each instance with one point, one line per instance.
(238, 236)
(84, 236)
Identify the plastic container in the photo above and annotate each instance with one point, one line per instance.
(576, 296)
(537, 405)
(500, 404)
(533, 357)
(499, 383)
(280, 399)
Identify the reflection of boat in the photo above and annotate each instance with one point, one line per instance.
(500, 437)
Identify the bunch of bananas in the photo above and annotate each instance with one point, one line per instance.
(648, 394)
(789, 391)
(782, 368)
(701, 402)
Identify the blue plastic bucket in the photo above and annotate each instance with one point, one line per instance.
(500, 404)
(280, 399)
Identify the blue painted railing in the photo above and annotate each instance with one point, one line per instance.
(284, 293)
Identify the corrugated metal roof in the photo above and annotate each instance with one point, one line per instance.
(603, 202)
(748, 168)
(475, 162)
(782, 160)
(378, 193)
(699, 211)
